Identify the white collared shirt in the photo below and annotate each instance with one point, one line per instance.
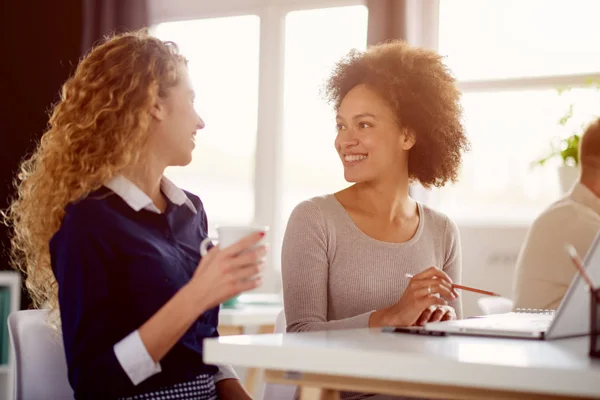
(137, 199)
(131, 351)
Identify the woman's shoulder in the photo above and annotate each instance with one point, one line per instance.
(84, 221)
(320, 213)
(312, 222)
(94, 203)
(196, 201)
(89, 211)
(315, 208)
(194, 198)
(438, 221)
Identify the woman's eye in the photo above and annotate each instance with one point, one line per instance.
(363, 125)
(339, 127)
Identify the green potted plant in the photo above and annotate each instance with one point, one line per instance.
(567, 148)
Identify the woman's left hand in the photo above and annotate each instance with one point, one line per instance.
(435, 314)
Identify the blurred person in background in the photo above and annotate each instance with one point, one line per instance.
(544, 269)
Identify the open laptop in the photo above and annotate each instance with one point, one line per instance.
(572, 318)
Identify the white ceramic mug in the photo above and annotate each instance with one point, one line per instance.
(228, 235)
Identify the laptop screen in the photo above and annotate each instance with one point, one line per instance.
(572, 317)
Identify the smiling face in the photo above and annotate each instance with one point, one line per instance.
(176, 122)
(369, 141)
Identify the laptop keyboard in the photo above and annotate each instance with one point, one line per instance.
(511, 322)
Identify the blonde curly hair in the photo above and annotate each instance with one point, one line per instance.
(97, 128)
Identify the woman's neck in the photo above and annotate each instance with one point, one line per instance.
(390, 201)
(147, 177)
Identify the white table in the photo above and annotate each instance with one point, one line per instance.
(234, 321)
(452, 367)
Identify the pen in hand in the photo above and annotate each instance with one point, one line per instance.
(467, 288)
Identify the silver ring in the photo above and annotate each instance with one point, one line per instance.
(429, 289)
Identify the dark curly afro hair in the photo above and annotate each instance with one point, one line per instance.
(424, 95)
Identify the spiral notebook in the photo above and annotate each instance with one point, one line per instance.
(570, 319)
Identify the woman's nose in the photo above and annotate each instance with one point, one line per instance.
(200, 124)
(345, 139)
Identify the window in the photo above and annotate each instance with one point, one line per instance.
(508, 131)
(314, 41)
(224, 73)
(511, 59)
(497, 39)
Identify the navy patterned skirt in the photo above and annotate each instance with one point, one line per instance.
(201, 388)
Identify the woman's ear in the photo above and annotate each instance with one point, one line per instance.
(408, 139)
(158, 110)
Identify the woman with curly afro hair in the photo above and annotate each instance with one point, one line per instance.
(348, 257)
(112, 246)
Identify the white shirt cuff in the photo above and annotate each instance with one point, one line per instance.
(225, 372)
(134, 358)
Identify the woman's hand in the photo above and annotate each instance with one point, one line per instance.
(220, 275)
(436, 314)
(225, 273)
(432, 287)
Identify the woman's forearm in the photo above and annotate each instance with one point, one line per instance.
(232, 389)
(162, 331)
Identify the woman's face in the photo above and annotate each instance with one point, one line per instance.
(369, 141)
(176, 122)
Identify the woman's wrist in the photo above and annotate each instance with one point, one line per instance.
(378, 318)
(162, 331)
(194, 300)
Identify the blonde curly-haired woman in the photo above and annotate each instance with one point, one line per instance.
(106, 239)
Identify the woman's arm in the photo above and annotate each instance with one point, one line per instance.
(81, 259)
(221, 275)
(232, 389)
(305, 273)
(453, 263)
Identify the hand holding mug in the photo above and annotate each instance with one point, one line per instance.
(225, 272)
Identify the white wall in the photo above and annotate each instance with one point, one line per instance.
(489, 257)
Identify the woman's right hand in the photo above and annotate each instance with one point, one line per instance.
(225, 273)
(421, 293)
